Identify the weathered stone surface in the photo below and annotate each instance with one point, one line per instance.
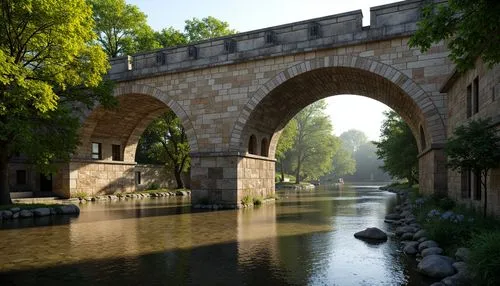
(181, 193)
(403, 229)
(6, 214)
(407, 236)
(406, 213)
(436, 266)
(427, 244)
(431, 251)
(419, 234)
(411, 248)
(462, 254)
(25, 214)
(460, 266)
(371, 233)
(422, 239)
(437, 284)
(41, 212)
(15, 210)
(15, 215)
(68, 209)
(393, 216)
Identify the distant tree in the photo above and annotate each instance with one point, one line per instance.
(367, 163)
(285, 143)
(398, 148)
(122, 28)
(475, 147)
(314, 144)
(469, 27)
(48, 61)
(206, 28)
(352, 139)
(343, 163)
(165, 141)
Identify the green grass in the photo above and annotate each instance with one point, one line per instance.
(28, 206)
(485, 258)
(247, 200)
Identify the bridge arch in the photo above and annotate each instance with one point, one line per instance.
(282, 97)
(138, 106)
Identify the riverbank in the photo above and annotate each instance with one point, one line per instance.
(452, 244)
(295, 187)
(23, 211)
(84, 198)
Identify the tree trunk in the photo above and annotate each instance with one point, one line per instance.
(297, 173)
(485, 185)
(178, 178)
(282, 171)
(4, 176)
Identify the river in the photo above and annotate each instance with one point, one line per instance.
(306, 238)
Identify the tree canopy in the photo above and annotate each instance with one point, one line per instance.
(471, 29)
(474, 147)
(398, 148)
(206, 28)
(352, 139)
(48, 60)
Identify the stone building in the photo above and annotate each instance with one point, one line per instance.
(473, 95)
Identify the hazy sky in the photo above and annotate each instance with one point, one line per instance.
(346, 111)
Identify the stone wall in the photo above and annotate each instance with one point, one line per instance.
(256, 176)
(432, 172)
(489, 106)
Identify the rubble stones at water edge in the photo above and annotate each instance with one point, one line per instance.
(15, 213)
(433, 264)
(178, 193)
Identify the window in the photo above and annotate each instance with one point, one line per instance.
(116, 152)
(466, 186)
(230, 46)
(469, 101)
(161, 58)
(270, 37)
(252, 145)
(264, 147)
(193, 52)
(476, 178)
(96, 151)
(314, 30)
(137, 178)
(475, 96)
(21, 177)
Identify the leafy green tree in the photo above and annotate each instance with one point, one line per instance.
(47, 62)
(165, 141)
(122, 28)
(343, 163)
(469, 27)
(352, 139)
(367, 163)
(475, 147)
(285, 143)
(170, 37)
(206, 28)
(314, 144)
(398, 148)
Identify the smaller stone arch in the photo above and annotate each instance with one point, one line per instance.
(252, 145)
(264, 147)
(423, 141)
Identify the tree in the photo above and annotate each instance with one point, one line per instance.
(367, 163)
(343, 163)
(314, 144)
(47, 62)
(165, 141)
(398, 149)
(469, 27)
(352, 139)
(206, 28)
(122, 28)
(170, 37)
(285, 143)
(475, 147)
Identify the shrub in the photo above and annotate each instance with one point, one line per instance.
(154, 186)
(485, 258)
(257, 201)
(247, 200)
(81, 195)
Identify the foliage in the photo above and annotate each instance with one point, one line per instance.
(352, 139)
(343, 163)
(170, 37)
(121, 28)
(257, 201)
(81, 195)
(48, 61)
(485, 258)
(314, 144)
(153, 186)
(474, 146)
(398, 149)
(206, 28)
(165, 141)
(285, 143)
(247, 200)
(468, 27)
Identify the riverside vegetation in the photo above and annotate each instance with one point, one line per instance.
(459, 231)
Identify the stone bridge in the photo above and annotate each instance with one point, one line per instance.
(235, 94)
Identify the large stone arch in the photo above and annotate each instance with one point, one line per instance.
(358, 74)
(138, 105)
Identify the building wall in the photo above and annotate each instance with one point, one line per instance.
(489, 106)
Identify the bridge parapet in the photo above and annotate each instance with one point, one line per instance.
(387, 21)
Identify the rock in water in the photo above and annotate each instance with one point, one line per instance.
(41, 211)
(431, 250)
(371, 233)
(25, 214)
(436, 266)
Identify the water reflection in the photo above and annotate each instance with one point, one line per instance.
(306, 238)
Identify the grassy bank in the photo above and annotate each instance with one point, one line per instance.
(453, 226)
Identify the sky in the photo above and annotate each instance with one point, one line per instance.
(346, 112)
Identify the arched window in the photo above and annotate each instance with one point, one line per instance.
(252, 145)
(422, 138)
(264, 147)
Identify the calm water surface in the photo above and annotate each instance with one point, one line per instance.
(306, 238)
